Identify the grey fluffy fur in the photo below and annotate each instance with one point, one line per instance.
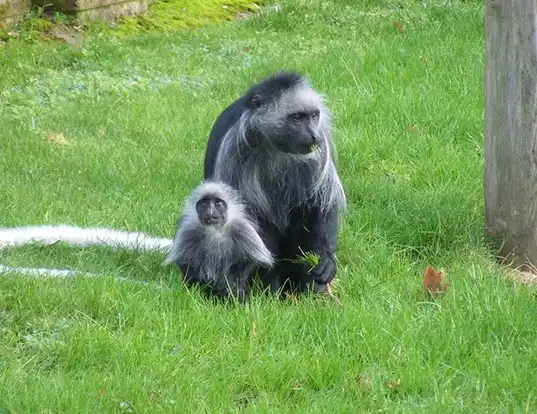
(214, 249)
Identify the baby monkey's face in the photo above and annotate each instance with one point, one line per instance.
(212, 211)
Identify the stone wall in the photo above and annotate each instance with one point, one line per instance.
(13, 10)
(97, 9)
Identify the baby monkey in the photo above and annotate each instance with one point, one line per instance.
(217, 243)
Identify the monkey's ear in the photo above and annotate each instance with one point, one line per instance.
(257, 100)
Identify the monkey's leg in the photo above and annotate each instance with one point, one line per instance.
(245, 273)
(236, 282)
(274, 278)
(277, 278)
(190, 274)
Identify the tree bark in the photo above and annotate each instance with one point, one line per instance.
(510, 129)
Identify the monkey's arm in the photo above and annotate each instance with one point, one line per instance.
(320, 236)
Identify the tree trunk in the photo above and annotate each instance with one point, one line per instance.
(510, 128)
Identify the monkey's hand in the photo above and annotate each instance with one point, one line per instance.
(325, 271)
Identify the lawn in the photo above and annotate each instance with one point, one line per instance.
(112, 133)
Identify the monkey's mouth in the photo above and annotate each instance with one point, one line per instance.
(308, 148)
(313, 147)
(210, 221)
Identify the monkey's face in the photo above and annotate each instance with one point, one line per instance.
(299, 134)
(212, 211)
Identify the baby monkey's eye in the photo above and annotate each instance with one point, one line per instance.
(296, 117)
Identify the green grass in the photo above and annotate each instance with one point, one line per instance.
(408, 114)
(166, 15)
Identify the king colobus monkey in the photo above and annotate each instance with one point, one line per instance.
(274, 145)
(216, 244)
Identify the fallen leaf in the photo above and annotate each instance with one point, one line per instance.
(102, 132)
(394, 385)
(332, 294)
(296, 389)
(413, 128)
(101, 392)
(58, 139)
(432, 281)
(253, 329)
(291, 297)
(155, 395)
(398, 25)
(243, 16)
(364, 383)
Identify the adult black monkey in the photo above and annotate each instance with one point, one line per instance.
(274, 144)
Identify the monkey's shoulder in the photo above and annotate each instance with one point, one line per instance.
(225, 121)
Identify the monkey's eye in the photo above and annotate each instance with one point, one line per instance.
(218, 203)
(296, 117)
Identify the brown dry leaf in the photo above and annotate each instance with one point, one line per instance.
(58, 139)
(394, 385)
(155, 395)
(432, 281)
(102, 132)
(332, 294)
(291, 297)
(243, 16)
(101, 392)
(296, 388)
(398, 25)
(413, 128)
(364, 383)
(253, 329)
